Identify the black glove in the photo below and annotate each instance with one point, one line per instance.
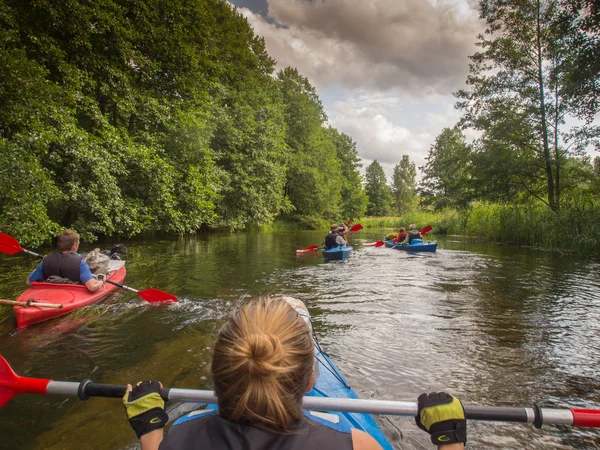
(145, 408)
(443, 417)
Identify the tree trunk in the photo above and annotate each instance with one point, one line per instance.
(556, 150)
(544, 120)
(130, 127)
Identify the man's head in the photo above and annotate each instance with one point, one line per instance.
(335, 228)
(411, 227)
(66, 239)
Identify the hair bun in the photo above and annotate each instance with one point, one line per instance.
(264, 354)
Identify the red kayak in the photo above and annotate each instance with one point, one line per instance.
(71, 296)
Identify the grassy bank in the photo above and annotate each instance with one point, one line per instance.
(576, 227)
(443, 222)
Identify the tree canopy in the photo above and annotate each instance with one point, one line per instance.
(123, 117)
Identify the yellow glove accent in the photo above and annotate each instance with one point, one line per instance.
(439, 413)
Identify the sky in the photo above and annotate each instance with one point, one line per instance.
(385, 70)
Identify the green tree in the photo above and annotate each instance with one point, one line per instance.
(353, 197)
(446, 174)
(404, 185)
(378, 192)
(523, 66)
(579, 22)
(313, 168)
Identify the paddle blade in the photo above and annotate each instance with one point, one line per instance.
(310, 248)
(12, 384)
(7, 376)
(356, 227)
(9, 245)
(426, 230)
(379, 243)
(157, 296)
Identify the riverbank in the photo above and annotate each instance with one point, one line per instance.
(572, 229)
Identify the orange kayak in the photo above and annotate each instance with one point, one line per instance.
(71, 296)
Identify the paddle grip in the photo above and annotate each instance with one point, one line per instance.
(87, 389)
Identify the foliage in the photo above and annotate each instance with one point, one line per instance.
(445, 221)
(447, 172)
(128, 117)
(523, 68)
(404, 185)
(354, 198)
(317, 175)
(579, 20)
(378, 192)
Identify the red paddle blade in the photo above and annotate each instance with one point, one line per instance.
(307, 250)
(12, 384)
(9, 245)
(356, 227)
(426, 230)
(379, 243)
(157, 296)
(310, 248)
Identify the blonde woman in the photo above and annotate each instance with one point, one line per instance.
(263, 363)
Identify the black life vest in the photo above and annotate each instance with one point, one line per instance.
(65, 265)
(330, 240)
(203, 430)
(414, 234)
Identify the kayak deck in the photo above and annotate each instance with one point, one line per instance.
(71, 296)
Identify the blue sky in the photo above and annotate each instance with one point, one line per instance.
(384, 69)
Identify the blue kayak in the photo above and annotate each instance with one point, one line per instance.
(339, 252)
(332, 384)
(417, 245)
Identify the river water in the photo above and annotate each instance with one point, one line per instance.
(495, 325)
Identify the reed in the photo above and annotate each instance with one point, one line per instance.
(576, 227)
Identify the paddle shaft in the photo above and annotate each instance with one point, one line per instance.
(536, 415)
(30, 304)
(121, 286)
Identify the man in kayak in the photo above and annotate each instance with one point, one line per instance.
(263, 363)
(66, 263)
(336, 236)
(413, 233)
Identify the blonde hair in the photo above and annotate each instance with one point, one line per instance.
(262, 363)
(412, 226)
(66, 239)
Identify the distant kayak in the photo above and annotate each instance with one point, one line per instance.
(417, 245)
(71, 296)
(337, 253)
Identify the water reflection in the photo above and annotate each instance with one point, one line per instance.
(494, 324)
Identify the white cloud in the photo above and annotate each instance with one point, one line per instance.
(386, 68)
(378, 137)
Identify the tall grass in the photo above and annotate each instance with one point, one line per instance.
(443, 222)
(576, 227)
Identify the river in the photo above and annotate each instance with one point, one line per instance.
(493, 324)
